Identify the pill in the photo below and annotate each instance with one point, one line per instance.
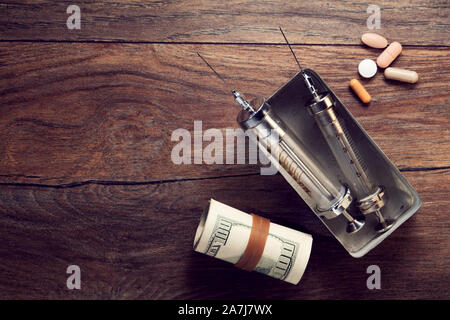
(401, 75)
(367, 68)
(360, 91)
(374, 40)
(389, 54)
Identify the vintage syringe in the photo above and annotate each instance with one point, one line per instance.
(331, 198)
(368, 195)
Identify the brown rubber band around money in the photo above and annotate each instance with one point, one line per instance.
(256, 243)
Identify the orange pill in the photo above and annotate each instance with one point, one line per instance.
(360, 91)
(389, 54)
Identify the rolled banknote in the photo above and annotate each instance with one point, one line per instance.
(252, 242)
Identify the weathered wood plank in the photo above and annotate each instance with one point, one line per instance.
(136, 242)
(250, 21)
(78, 112)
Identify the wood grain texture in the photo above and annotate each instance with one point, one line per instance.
(136, 242)
(86, 118)
(249, 21)
(77, 112)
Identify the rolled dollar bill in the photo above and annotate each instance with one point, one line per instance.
(252, 242)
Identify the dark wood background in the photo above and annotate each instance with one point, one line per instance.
(86, 118)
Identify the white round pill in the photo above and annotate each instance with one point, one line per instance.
(367, 68)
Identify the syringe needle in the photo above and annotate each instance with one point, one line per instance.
(218, 75)
(237, 95)
(289, 45)
(308, 80)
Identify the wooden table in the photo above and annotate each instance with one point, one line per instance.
(86, 118)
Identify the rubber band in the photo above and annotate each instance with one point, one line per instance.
(256, 243)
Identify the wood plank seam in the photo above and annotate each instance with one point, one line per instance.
(140, 183)
(259, 44)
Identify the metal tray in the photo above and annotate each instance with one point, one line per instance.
(289, 103)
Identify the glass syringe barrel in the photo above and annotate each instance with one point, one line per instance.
(369, 196)
(346, 156)
(331, 197)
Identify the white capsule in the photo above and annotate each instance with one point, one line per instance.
(401, 75)
(367, 68)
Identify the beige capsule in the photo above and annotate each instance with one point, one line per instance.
(401, 75)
